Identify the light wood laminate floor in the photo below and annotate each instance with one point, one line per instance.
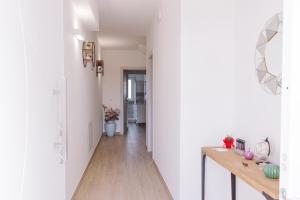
(122, 169)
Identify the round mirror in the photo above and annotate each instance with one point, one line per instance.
(268, 58)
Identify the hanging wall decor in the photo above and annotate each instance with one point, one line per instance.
(88, 53)
(99, 67)
(268, 55)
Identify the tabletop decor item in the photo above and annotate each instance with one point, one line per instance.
(272, 171)
(228, 142)
(248, 155)
(262, 151)
(240, 146)
(245, 164)
(111, 116)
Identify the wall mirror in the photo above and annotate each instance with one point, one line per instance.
(268, 55)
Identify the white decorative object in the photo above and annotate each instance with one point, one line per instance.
(268, 56)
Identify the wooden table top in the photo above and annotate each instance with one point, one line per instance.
(253, 174)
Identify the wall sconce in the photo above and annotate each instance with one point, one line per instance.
(99, 67)
(88, 53)
(78, 35)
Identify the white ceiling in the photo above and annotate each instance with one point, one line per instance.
(124, 23)
(87, 12)
(117, 40)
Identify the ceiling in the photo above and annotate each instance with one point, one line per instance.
(124, 23)
(87, 12)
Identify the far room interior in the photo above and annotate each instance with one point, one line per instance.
(136, 97)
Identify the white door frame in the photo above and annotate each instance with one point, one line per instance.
(149, 106)
(290, 164)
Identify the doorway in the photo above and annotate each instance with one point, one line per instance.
(134, 98)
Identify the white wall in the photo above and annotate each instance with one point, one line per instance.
(219, 92)
(12, 102)
(84, 101)
(42, 29)
(217, 51)
(164, 42)
(32, 63)
(114, 60)
(257, 114)
(207, 92)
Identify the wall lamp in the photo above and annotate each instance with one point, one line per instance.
(99, 67)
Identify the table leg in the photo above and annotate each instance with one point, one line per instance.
(268, 197)
(233, 187)
(203, 175)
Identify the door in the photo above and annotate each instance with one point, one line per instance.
(44, 171)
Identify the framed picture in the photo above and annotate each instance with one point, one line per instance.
(88, 53)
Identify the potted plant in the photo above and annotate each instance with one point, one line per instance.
(228, 142)
(111, 116)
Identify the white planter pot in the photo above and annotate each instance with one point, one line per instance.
(110, 128)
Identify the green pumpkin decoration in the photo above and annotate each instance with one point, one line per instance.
(272, 171)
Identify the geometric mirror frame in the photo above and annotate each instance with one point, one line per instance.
(269, 77)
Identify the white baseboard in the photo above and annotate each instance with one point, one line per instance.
(117, 133)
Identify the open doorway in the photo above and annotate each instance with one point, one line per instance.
(134, 98)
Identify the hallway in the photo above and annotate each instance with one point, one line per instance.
(122, 169)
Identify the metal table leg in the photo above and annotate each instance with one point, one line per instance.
(268, 197)
(233, 187)
(203, 175)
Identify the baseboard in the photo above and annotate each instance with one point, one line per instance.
(162, 179)
(131, 120)
(117, 133)
(84, 173)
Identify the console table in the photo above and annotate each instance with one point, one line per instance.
(251, 174)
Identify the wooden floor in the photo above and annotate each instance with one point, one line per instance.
(122, 169)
